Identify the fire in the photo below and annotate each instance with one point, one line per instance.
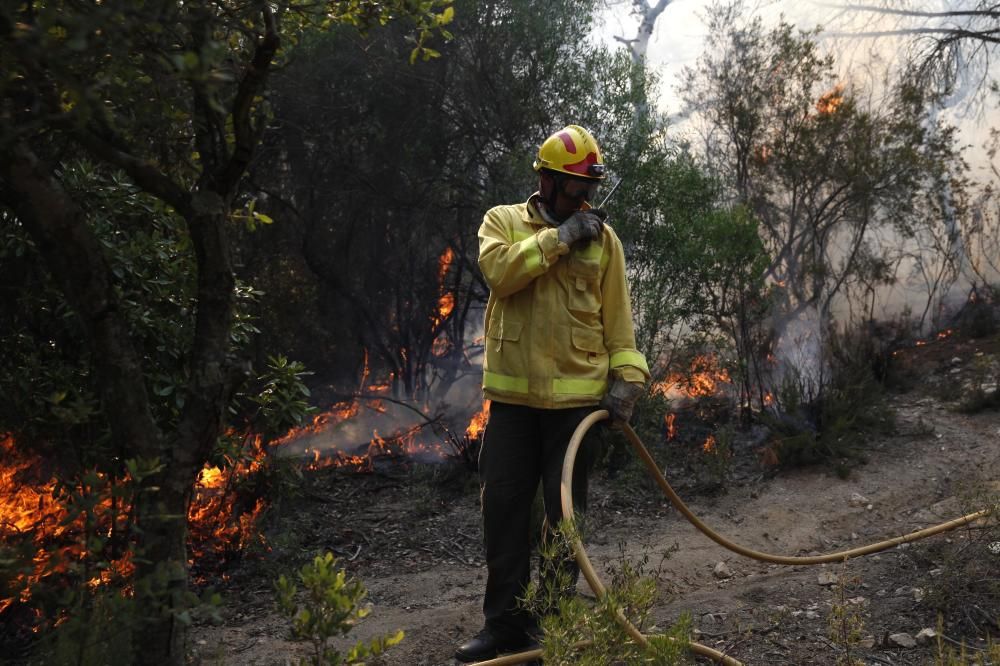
(763, 153)
(211, 477)
(446, 303)
(670, 421)
(32, 511)
(446, 300)
(400, 443)
(768, 398)
(217, 522)
(831, 100)
(709, 445)
(338, 413)
(703, 378)
(478, 422)
(944, 334)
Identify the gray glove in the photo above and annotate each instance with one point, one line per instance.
(581, 225)
(621, 398)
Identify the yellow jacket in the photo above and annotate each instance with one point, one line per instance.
(558, 322)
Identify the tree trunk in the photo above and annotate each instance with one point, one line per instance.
(159, 637)
(76, 260)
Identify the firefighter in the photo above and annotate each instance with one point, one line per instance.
(559, 344)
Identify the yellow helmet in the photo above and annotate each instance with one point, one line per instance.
(573, 151)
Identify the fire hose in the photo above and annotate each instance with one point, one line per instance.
(598, 587)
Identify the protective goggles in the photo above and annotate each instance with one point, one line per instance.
(578, 190)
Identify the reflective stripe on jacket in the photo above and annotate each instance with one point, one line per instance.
(558, 322)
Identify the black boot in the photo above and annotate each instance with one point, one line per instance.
(486, 645)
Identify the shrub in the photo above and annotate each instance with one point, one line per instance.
(820, 423)
(580, 632)
(331, 607)
(982, 391)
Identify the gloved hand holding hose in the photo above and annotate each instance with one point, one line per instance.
(581, 225)
(621, 398)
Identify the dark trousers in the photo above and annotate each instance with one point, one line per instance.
(522, 446)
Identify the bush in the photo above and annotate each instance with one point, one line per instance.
(579, 632)
(965, 589)
(331, 607)
(822, 423)
(982, 391)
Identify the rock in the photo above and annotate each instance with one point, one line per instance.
(867, 643)
(826, 578)
(857, 499)
(918, 594)
(722, 571)
(926, 636)
(857, 601)
(811, 615)
(902, 640)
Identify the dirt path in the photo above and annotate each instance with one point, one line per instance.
(417, 552)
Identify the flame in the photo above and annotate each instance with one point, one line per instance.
(217, 522)
(709, 445)
(441, 346)
(446, 300)
(831, 100)
(702, 379)
(403, 442)
(478, 422)
(763, 153)
(768, 398)
(671, 422)
(31, 509)
(945, 334)
(211, 477)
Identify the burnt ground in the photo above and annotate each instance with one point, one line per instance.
(412, 536)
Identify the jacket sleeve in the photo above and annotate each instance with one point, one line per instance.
(616, 311)
(509, 264)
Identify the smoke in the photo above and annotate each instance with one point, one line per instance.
(375, 424)
(798, 353)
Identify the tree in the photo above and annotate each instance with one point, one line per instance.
(950, 54)
(823, 172)
(171, 98)
(387, 196)
(648, 15)
(948, 48)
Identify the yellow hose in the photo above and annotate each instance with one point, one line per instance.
(598, 587)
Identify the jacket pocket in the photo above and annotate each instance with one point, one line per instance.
(502, 329)
(584, 285)
(590, 343)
